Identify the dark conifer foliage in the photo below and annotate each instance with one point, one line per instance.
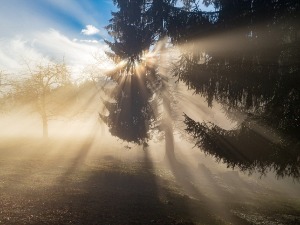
(251, 64)
(249, 147)
(130, 110)
(244, 55)
(255, 66)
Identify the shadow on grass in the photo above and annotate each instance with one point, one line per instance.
(122, 193)
(83, 189)
(187, 181)
(104, 191)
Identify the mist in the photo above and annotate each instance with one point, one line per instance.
(169, 114)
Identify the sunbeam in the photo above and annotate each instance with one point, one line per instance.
(169, 114)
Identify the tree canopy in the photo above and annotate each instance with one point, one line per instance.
(244, 55)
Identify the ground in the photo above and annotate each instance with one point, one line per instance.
(52, 182)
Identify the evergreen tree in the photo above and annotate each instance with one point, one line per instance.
(130, 112)
(135, 28)
(248, 60)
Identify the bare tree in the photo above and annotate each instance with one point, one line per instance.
(38, 86)
(3, 82)
(5, 87)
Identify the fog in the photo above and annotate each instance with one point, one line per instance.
(86, 136)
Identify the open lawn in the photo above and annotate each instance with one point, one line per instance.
(70, 182)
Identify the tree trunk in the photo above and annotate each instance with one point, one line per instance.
(169, 143)
(44, 115)
(45, 126)
(168, 126)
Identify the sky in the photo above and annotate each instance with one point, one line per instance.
(32, 31)
(40, 30)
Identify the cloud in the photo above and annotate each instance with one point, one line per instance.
(52, 45)
(69, 16)
(86, 41)
(90, 30)
(15, 53)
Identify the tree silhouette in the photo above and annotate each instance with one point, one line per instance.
(249, 147)
(136, 27)
(248, 60)
(245, 55)
(130, 112)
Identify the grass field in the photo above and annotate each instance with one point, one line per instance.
(73, 182)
